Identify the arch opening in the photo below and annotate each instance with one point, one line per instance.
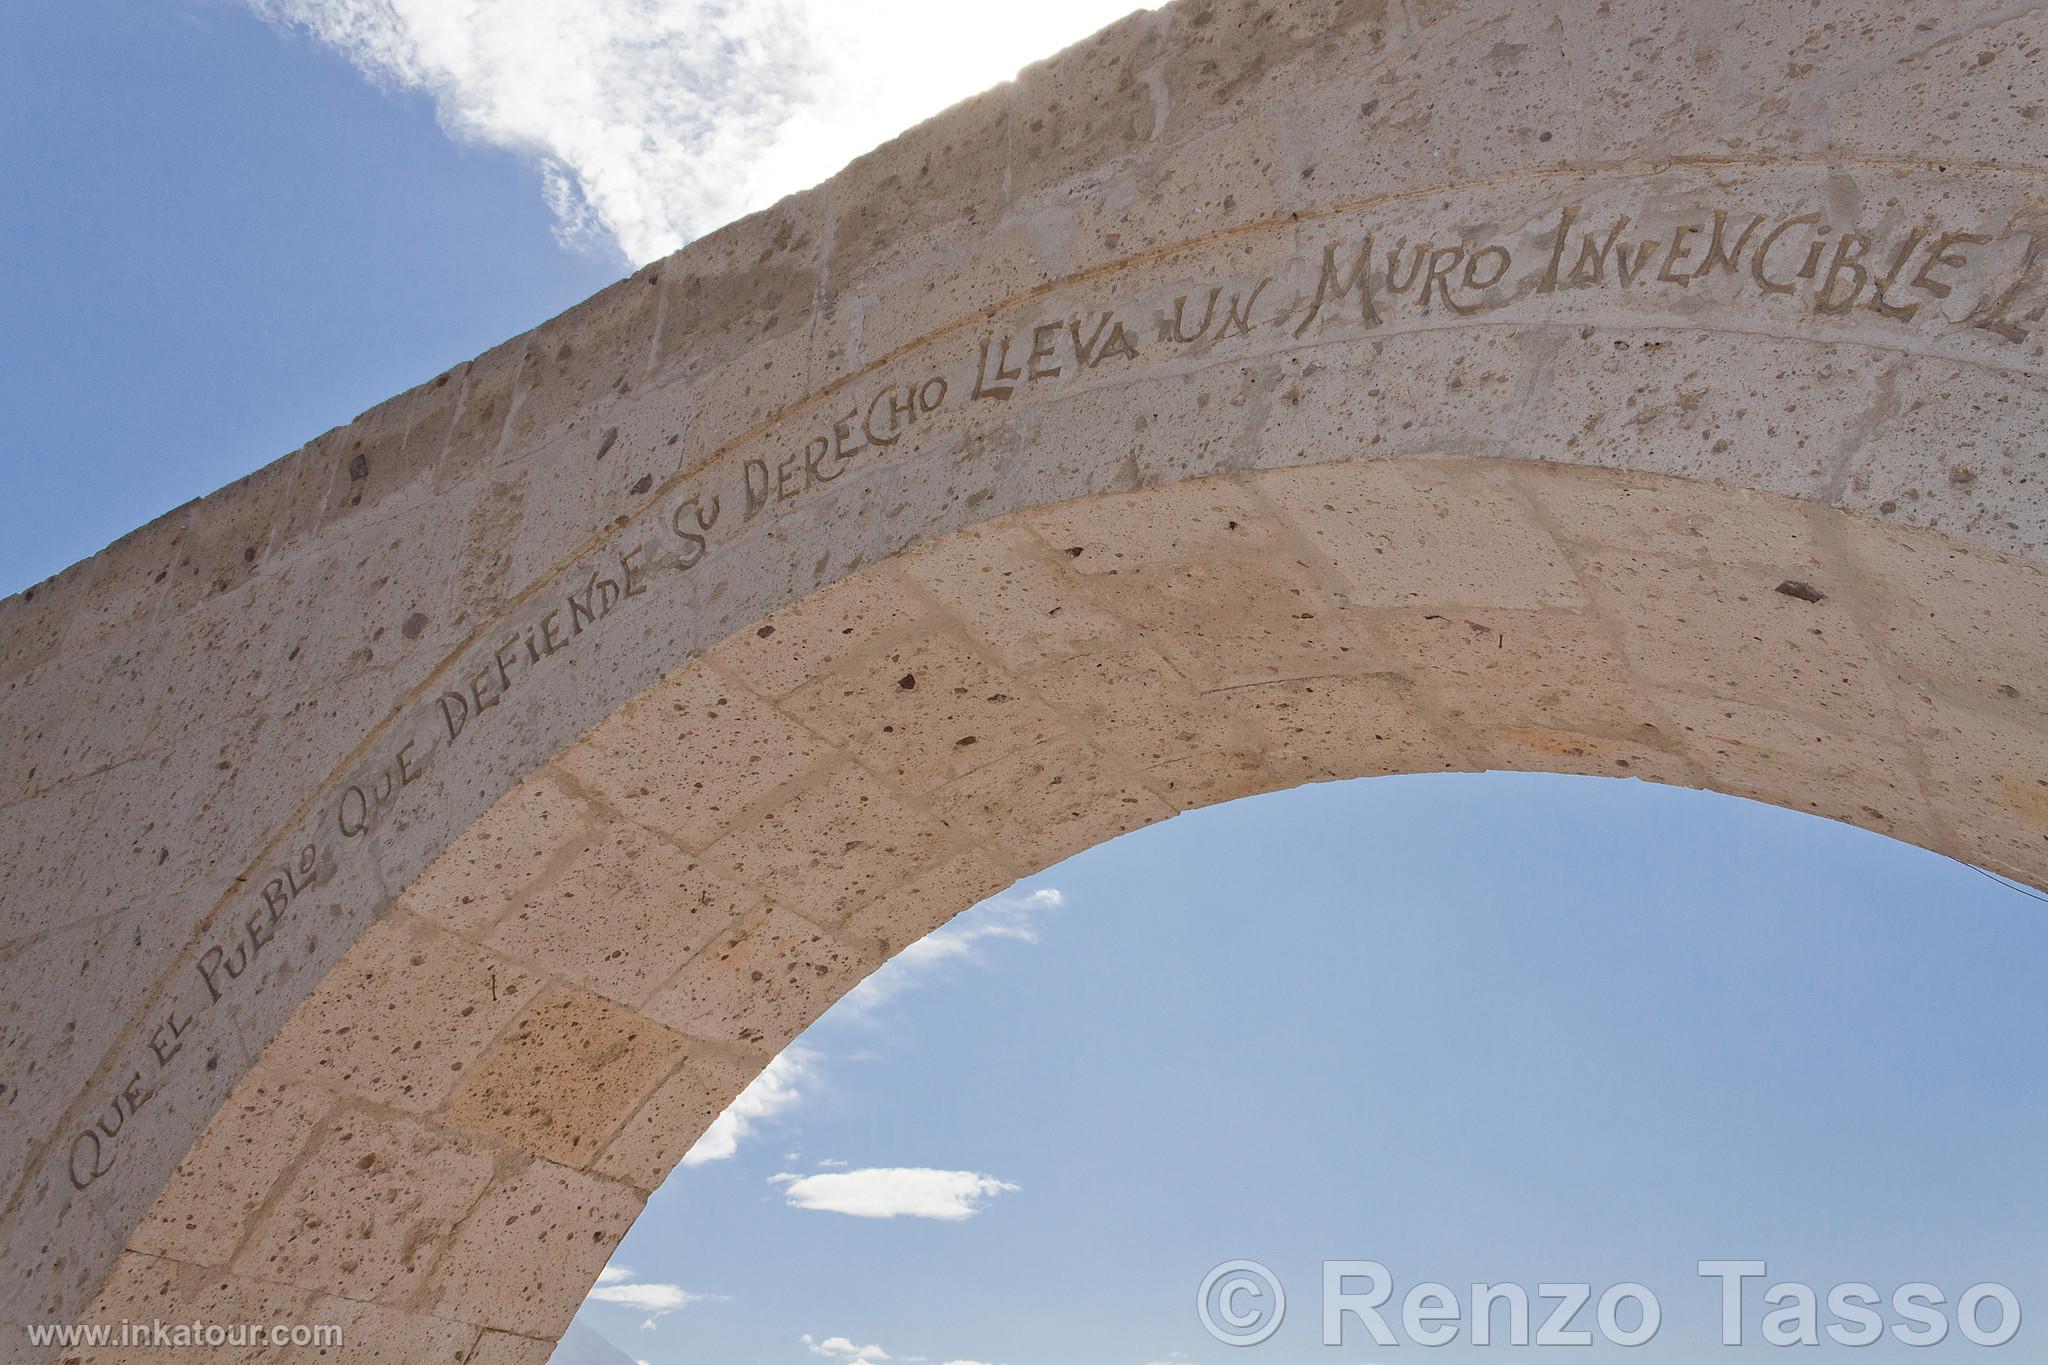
(1477, 1028)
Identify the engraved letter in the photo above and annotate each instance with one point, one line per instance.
(1085, 352)
(549, 641)
(694, 544)
(351, 828)
(1939, 254)
(476, 693)
(456, 715)
(1236, 317)
(504, 666)
(1727, 257)
(1094, 353)
(100, 1165)
(1564, 227)
(1041, 349)
(1677, 252)
(1758, 263)
(1591, 267)
(842, 429)
(1004, 379)
(1442, 262)
(756, 472)
(1399, 286)
(1499, 253)
(814, 454)
(900, 415)
(1990, 314)
(261, 926)
(215, 958)
(1627, 270)
(157, 1044)
(1824, 300)
(1328, 287)
(607, 594)
(1878, 301)
(1172, 331)
(1592, 263)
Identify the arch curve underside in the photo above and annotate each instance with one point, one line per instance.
(412, 848)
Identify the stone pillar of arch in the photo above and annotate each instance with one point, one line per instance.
(410, 848)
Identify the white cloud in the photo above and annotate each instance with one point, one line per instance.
(775, 1091)
(1012, 918)
(663, 1298)
(839, 1348)
(654, 121)
(890, 1192)
(621, 1284)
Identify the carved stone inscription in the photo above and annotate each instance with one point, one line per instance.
(1952, 284)
(245, 930)
(1801, 254)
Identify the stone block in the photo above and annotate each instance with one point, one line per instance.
(763, 983)
(368, 1210)
(624, 916)
(566, 1076)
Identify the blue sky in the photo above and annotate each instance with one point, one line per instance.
(222, 242)
(1493, 1028)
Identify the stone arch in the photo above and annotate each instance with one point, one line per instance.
(411, 846)
(446, 1137)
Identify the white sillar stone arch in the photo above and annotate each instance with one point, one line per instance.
(410, 848)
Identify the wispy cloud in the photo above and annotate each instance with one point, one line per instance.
(840, 1348)
(1015, 919)
(776, 1090)
(654, 121)
(843, 1348)
(660, 1298)
(894, 1192)
(621, 1284)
